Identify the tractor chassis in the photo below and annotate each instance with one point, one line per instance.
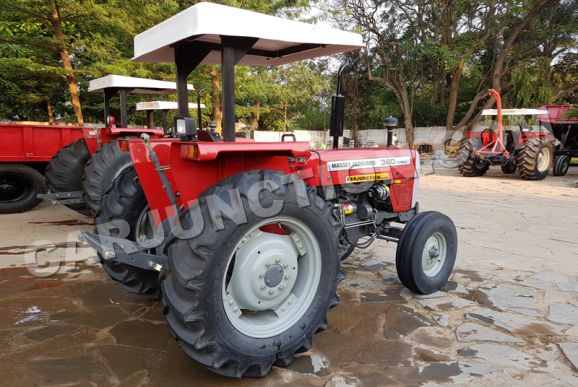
(124, 251)
(62, 198)
(133, 254)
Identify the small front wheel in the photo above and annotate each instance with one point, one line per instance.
(426, 252)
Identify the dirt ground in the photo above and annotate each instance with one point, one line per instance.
(508, 316)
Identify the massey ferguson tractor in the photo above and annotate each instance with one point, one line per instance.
(242, 241)
(80, 172)
(520, 148)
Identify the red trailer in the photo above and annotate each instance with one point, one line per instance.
(25, 151)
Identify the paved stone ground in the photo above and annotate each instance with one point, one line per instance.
(508, 316)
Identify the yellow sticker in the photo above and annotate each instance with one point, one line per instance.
(371, 177)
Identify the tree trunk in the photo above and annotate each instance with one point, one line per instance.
(216, 97)
(50, 112)
(285, 116)
(407, 117)
(256, 116)
(453, 97)
(56, 22)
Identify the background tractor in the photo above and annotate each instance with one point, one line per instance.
(522, 147)
(242, 241)
(79, 173)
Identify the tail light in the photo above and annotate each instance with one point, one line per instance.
(123, 145)
(190, 151)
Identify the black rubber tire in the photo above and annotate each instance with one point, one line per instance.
(347, 252)
(509, 167)
(122, 204)
(408, 258)
(469, 166)
(192, 285)
(27, 182)
(528, 160)
(66, 169)
(561, 165)
(100, 172)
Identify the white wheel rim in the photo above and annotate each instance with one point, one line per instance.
(144, 226)
(434, 254)
(543, 159)
(273, 279)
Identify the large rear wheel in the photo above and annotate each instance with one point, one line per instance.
(101, 171)
(471, 165)
(19, 185)
(535, 160)
(66, 169)
(248, 293)
(125, 214)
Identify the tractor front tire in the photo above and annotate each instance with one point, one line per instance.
(19, 185)
(125, 204)
(535, 160)
(241, 297)
(101, 171)
(561, 165)
(469, 164)
(66, 170)
(426, 252)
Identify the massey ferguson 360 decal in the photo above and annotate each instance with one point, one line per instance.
(380, 162)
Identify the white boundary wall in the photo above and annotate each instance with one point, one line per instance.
(433, 135)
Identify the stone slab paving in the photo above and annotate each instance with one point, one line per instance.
(507, 317)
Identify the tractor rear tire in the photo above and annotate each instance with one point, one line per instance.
(66, 169)
(209, 283)
(347, 252)
(101, 171)
(125, 204)
(469, 164)
(19, 185)
(426, 252)
(561, 165)
(535, 160)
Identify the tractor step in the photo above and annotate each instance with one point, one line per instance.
(123, 251)
(63, 198)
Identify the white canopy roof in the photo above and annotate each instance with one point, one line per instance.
(514, 112)
(138, 85)
(280, 40)
(163, 105)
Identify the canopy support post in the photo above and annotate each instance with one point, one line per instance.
(123, 111)
(232, 51)
(188, 55)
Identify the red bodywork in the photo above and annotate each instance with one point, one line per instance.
(23, 143)
(214, 162)
(108, 134)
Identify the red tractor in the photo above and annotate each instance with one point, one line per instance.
(522, 147)
(243, 241)
(80, 172)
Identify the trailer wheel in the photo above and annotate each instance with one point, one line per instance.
(426, 252)
(125, 204)
(19, 185)
(561, 165)
(535, 160)
(248, 295)
(101, 171)
(509, 167)
(66, 169)
(469, 164)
